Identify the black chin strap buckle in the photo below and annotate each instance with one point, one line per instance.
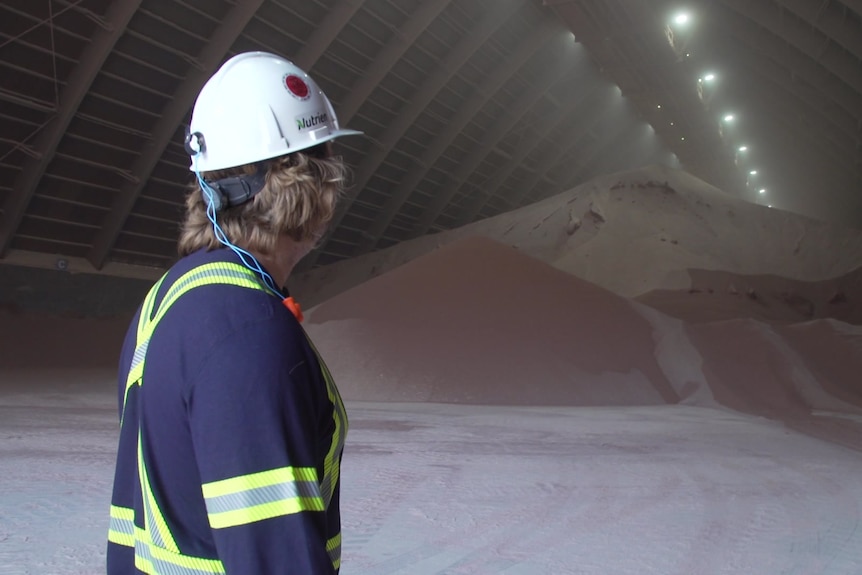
(237, 190)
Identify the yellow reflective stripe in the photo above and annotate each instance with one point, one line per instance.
(331, 467)
(265, 511)
(147, 308)
(333, 548)
(153, 560)
(121, 538)
(137, 367)
(209, 274)
(122, 513)
(260, 479)
(122, 527)
(154, 522)
(263, 495)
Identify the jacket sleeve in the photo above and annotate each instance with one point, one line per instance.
(254, 413)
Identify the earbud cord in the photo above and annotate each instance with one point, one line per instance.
(247, 259)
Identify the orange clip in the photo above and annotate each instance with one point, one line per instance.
(294, 308)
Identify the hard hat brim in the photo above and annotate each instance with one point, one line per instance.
(329, 137)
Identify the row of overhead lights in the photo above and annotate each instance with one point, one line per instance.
(680, 21)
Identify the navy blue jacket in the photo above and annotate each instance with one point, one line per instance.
(240, 430)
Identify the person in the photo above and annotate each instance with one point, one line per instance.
(231, 428)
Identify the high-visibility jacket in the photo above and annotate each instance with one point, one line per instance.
(231, 433)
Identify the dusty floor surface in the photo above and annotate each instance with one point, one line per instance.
(433, 488)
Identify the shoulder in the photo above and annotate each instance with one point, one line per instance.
(227, 319)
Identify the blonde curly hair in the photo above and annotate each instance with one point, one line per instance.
(298, 199)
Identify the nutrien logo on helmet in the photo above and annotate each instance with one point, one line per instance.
(311, 121)
(296, 86)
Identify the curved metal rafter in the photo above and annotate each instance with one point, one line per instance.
(593, 112)
(580, 103)
(607, 154)
(626, 35)
(172, 116)
(803, 38)
(802, 154)
(802, 66)
(327, 32)
(92, 59)
(509, 67)
(581, 170)
(457, 57)
(808, 132)
(782, 116)
(852, 5)
(828, 22)
(389, 56)
(553, 73)
(767, 70)
(773, 94)
(807, 148)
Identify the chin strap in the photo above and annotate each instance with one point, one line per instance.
(294, 307)
(237, 190)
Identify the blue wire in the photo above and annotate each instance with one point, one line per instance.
(247, 259)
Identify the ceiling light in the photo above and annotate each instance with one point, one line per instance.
(709, 77)
(769, 206)
(743, 148)
(753, 172)
(659, 106)
(681, 19)
(762, 190)
(729, 118)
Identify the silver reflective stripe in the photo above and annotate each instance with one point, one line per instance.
(147, 562)
(333, 548)
(151, 520)
(140, 353)
(262, 496)
(124, 526)
(215, 271)
(121, 529)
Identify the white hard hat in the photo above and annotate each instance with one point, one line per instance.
(256, 107)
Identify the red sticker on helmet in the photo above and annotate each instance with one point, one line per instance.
(296, 86)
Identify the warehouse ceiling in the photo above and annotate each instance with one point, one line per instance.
(470, 108)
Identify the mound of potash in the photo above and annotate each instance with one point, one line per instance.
(788, 372)
(716, 295)
(634, 233)
(479, 322)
